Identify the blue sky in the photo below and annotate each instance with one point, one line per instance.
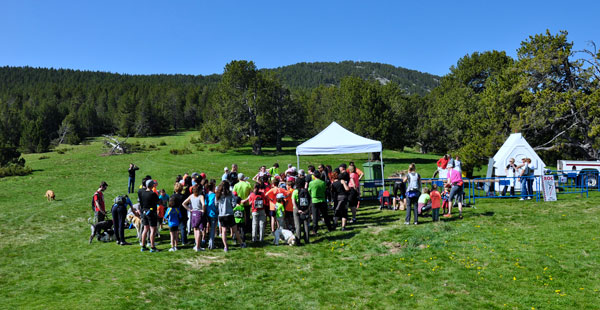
(200, 37)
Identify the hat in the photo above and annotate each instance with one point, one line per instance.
(343, 166)
(293, 169)
(290, 179)
(203, 175)
(195, 175)
(280, 196)
(234, 193)
(225, 169)
(301, 172)
(150, 183)
(103, 183)
(241, 176)
(289, 165)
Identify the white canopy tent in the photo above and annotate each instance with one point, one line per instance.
(336, 139)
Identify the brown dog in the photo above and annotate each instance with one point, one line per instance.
(50, 195)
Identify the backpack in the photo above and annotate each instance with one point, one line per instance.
(173, 217)
(258, 203)
(303, 199)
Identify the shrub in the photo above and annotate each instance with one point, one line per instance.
(162, 143)
(44, 157)
(14, 170)
(180, 151)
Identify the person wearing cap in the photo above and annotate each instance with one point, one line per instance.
(149, 217)
(99, 208)
(455, 178)
(243, 188)
(225, 174)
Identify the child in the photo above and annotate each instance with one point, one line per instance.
(239, 215)
(446, 198)
(212, 214)
(399, 194)
(162, 206)
(280, 210)
(435, 202)
(173, 216)
(424, 202)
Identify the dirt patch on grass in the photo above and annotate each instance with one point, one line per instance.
(203, 261)
(273, 254)
(393, 247)
(376, 230)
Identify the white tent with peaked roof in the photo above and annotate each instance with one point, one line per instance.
(336, 139)
(516, 147)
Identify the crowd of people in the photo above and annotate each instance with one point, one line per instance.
(290, 203)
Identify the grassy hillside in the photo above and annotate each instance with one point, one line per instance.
(504, 254)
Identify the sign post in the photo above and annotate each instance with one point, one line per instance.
(549, 187)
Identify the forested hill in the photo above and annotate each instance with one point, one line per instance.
(310, 75)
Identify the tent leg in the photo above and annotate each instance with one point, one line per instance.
(382, 176)
(298, 161)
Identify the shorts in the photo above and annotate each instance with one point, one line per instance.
(173, 228)
(341, 209)
(457, 192)
(273, 213)
(149, 218)
(227, 221)
(197, 220)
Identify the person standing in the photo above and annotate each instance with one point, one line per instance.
(317, 189)
(119, 212)
(413, 191)
(455, 179)
(511, 173)
(257, 201)
(243, 190)
(301, 202)
(99, 208)
(340, 191)
(195, 204)
(457, 164)
(178, 200)
(130, 184)
(225, 174)
(148, 204)
(233, 177)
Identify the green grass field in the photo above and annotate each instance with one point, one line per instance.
(505, 254)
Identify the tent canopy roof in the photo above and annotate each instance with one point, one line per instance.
(516, 147)
(336, 139)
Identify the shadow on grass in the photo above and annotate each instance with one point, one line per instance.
(408, 161)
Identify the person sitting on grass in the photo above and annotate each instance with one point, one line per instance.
(225, 202)
(173, 216)
(424, 202)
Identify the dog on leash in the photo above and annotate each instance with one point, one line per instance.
(284, 234)
(102, 230)
(50, 195)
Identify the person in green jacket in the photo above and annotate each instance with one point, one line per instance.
(317, 189)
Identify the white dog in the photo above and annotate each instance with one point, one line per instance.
(284, 234)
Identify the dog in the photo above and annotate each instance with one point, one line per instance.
(137, 223)
(50, 195)
(107, 236)
(100, 228)
(284, 234)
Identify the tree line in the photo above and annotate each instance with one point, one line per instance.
(549, 93)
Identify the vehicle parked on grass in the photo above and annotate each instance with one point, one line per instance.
(589, 169)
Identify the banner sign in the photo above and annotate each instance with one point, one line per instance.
(549, 188)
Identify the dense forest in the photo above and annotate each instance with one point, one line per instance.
(550, 93)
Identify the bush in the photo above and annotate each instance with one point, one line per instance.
(44, 157)
(180, 151)
(162, 143)
(14, 170)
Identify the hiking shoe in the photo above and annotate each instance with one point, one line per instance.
(143, 249)
(460, 217)
(416, 223)
(528, 198)
(153, 250)
(243, 246)
(172, 250)
(125, 243)
(406, 223)
(225, 250)
(447, 215)
(522, 199)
